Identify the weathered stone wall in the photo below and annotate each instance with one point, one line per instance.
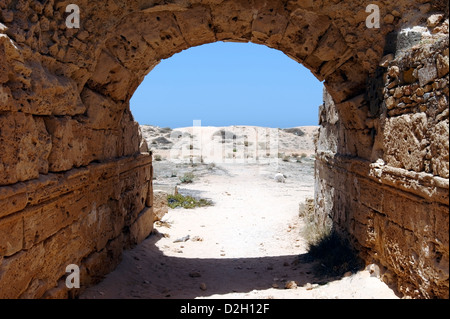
(85, 216)
(385, 181)
(75, 188)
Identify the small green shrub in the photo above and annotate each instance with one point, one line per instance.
(164, 130)
(335, 256)
(333, 253)
(187, 178)
(211, 165)
(295, 131)
(158, 157)
(186, 202)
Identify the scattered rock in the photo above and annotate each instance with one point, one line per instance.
(442, 65)
(308, 286)
(225, 135)
(427, 74)
(280, 178)
(182, 239)
(203, 286)
(388, 18)
(161, 140)
(290, 285)
(390, 102)
(386, 59)
(394, 71)
(197, 238)
(434, 20)
(374, 270)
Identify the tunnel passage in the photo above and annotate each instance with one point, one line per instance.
(75, 177)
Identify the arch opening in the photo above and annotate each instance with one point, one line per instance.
(228, 84)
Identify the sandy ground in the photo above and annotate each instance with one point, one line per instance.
(247, 245)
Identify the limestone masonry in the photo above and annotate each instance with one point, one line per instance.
(75, 177)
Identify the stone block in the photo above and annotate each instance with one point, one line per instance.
(231, 22)
(98, 264)
(11, 234)
(64, 248)
(75, 145)
(130, 137)
(102, 112)
(110, 78)
(427, 74)
(164, 35)
(11, 204)
(434, 20)
(195, 25)
(441, 227)
(59, 292)
(301, 44)
(442, 65)
(410, 214)
(269, 25)
(17, 271)
(439, 146)
(408, 149)
(160, 204)
(65, 98)
(25, 146)
(143, 226)
(45, 220)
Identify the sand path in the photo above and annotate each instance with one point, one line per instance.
(245, 246)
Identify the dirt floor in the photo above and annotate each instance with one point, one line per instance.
(249, 244)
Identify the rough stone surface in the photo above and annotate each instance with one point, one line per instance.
(394, 200)
(74, 186)
(70, 219)
(160, 204)
(25, 147)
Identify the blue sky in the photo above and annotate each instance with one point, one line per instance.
(225, 84)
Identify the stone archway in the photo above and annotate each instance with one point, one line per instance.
(75, 188)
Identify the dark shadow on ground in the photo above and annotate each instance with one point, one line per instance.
(166, 277)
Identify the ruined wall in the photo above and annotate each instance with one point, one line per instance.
(392, 197)
(75, 180)
(74, 185)
(84, 217)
